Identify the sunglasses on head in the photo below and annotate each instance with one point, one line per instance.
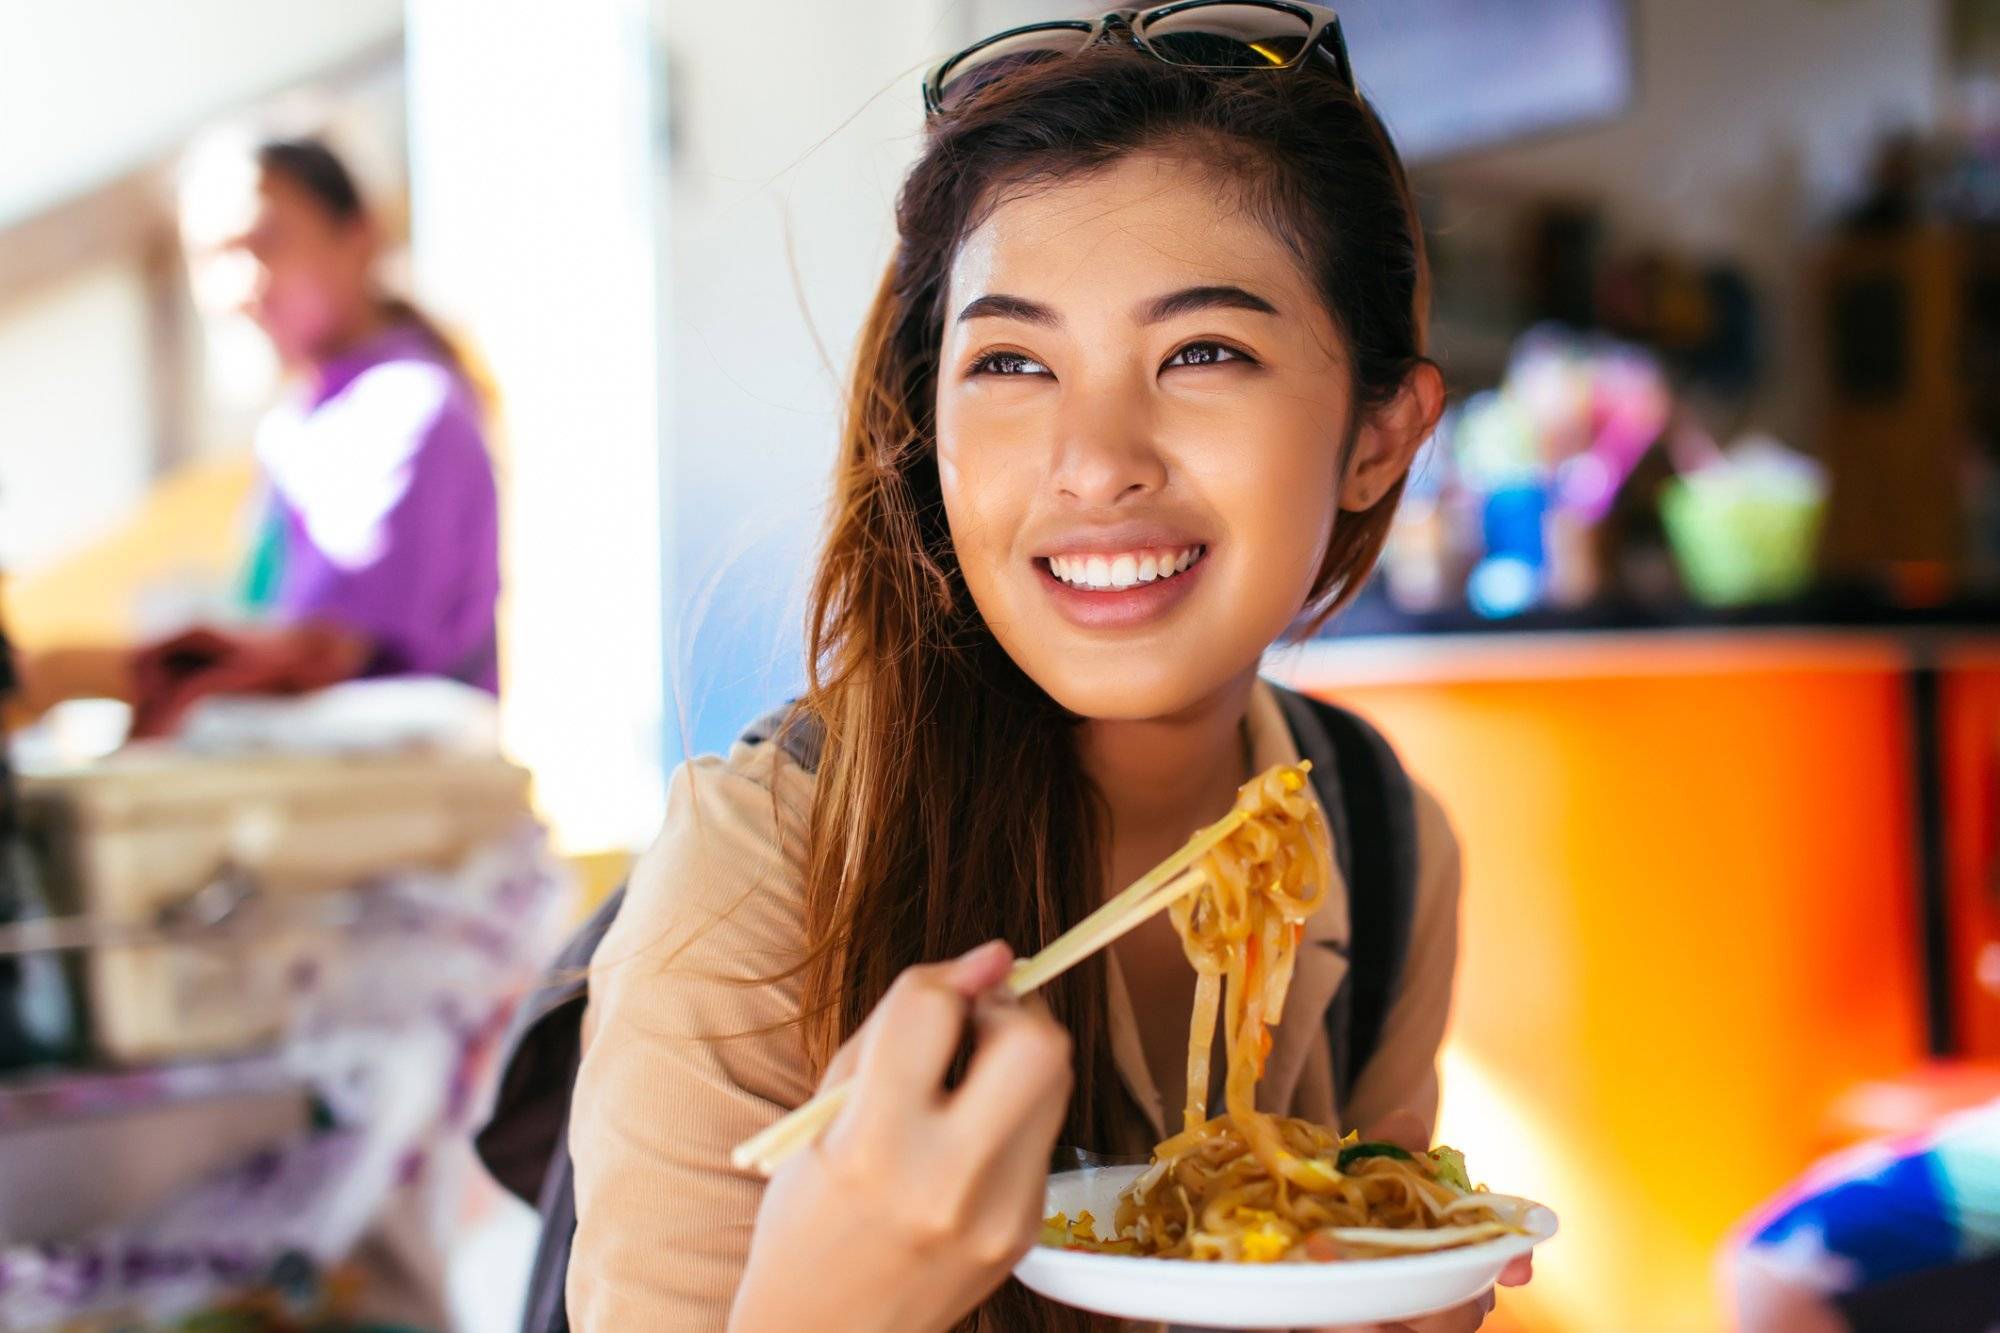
(1194, 34)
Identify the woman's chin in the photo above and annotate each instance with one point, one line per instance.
(1130, 689)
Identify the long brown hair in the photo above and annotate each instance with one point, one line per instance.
(950, 805)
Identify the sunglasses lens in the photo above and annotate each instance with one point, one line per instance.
(972, 72)
(1229, 36)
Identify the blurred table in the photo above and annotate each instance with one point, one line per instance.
(82, 1148)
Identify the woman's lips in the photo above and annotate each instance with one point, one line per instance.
(1120, 608)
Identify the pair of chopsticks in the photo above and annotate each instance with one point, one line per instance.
(1148, 895)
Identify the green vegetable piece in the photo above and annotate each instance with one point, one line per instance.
(1356, 1152)
(1448, 1168)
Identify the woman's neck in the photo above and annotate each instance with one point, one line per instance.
(1164, 777)
(366, 322)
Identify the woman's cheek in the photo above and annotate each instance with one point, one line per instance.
(976, 507)
(1278, 503)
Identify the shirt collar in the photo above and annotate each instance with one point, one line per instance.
(398, 342)
(1297, 1077)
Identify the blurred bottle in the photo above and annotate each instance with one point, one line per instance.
(1511, 578)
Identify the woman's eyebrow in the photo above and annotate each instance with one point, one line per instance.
(1219, 296)
(996, 305)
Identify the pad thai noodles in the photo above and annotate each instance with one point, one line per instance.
(1248, 1186)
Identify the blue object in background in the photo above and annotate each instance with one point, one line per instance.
(1513, 522)
(1510, 579)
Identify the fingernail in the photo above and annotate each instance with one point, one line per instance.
(973, 961)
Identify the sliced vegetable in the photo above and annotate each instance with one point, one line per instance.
(1448, 1168)
(1349, 1156)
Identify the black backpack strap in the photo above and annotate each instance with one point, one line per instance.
(525, 1141)
(797, 733)
(1368, 797)
(523, 1135)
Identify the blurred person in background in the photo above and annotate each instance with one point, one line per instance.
(1896, 1236)
(376, 545)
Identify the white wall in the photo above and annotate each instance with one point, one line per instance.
(796, 153)
(75, 416)
(92, 88)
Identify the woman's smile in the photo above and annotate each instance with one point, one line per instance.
(1120, 577)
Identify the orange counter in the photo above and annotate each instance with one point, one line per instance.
(1692, 919)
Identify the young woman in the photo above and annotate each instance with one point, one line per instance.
(377, 548)
(1136, 397)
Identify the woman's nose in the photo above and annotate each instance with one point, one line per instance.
(1105, 452)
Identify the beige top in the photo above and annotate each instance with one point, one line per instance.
(682, 1060)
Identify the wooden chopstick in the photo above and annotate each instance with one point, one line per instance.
(1146, 896)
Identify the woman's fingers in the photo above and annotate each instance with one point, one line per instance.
(1520, 1272)
(1405, 1129)
(841, 1068)
(907, 1044)
(1011, 1106)
(1020, 1066)
(979, 970)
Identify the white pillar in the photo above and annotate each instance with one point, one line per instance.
(538, 223)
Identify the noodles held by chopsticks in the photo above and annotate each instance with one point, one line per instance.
(1248, 1186)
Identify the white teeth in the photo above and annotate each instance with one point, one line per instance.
(1122, 571)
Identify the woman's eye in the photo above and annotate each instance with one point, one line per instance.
(1205, 354)
(1007, 363)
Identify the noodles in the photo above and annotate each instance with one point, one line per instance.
(1248, 1186)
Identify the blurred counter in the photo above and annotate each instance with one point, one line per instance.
(1828, 607)
(1715, 877)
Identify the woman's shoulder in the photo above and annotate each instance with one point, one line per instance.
(730, 852)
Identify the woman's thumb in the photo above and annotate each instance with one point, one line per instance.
(1405, 1129)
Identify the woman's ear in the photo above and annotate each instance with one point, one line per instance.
(1390, 437)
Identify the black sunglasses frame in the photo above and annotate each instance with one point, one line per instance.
(1323, 36)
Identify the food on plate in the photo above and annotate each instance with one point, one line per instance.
(1248, 1186)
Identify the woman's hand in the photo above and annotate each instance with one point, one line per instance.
(172, 675)
(919, 1200)
(1406, 1130)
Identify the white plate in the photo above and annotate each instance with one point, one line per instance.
(1220, 1295)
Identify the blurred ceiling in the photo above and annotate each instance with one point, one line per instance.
(90, 93)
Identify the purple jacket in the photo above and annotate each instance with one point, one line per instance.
(383, 518)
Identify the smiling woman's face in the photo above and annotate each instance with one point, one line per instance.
(1141, 406)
